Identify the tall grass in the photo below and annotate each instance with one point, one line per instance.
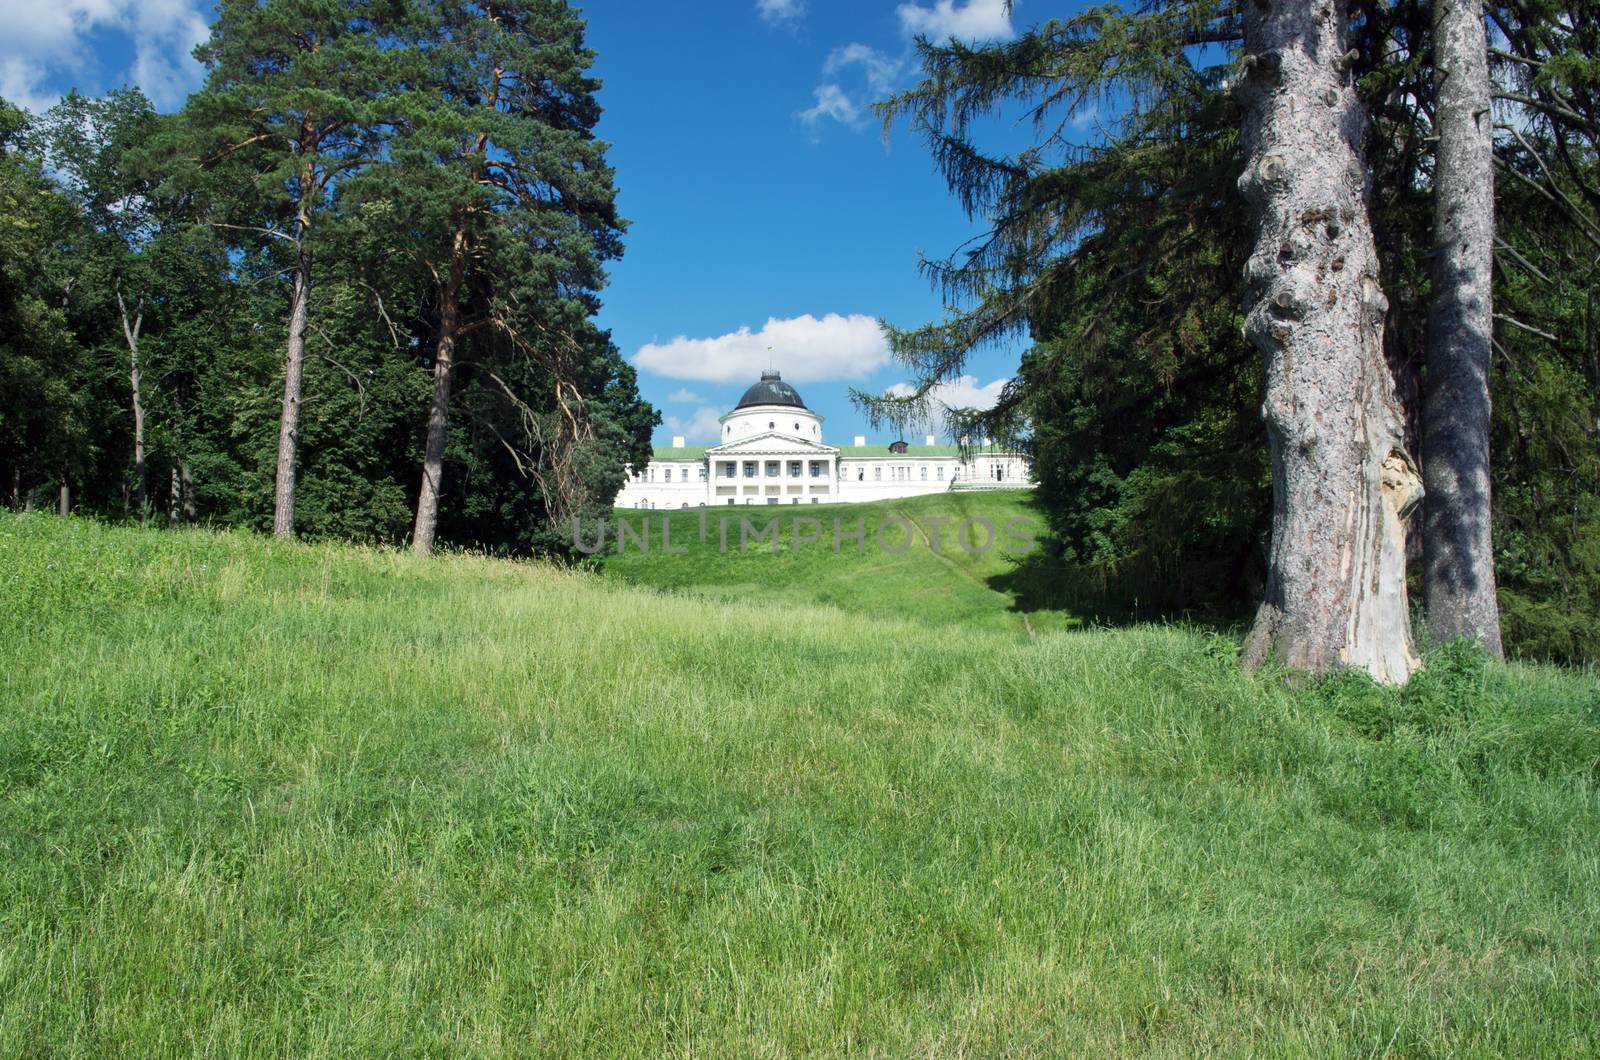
(259, 798)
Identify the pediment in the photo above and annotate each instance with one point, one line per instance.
(773, 442)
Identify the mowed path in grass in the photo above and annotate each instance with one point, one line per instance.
(308, 800)
(885, 562)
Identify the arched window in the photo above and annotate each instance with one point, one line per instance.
(771, 426)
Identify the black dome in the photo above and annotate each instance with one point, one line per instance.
(772, 390)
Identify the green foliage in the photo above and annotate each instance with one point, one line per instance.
(324, 133)
(240, 813)
(51, 388)
(1118, 251)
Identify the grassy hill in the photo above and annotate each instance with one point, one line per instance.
(891, 568)
(322, 801)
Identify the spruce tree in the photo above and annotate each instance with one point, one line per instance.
(1457, 546)
(1343, 481)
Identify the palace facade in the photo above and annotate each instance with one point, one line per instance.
(772, 452)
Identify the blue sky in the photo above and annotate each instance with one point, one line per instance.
(766, 208)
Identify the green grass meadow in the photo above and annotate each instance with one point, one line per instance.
(320, 801)
(875, 559)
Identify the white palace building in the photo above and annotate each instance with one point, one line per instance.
(772, 452)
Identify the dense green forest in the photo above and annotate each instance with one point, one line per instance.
(401, 206)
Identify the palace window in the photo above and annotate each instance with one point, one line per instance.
(941, 472)
(924, 472)
(666, 474)
(816, 469)
(749, 469)
(702, 472)
(794, 469)
(877, 472)
(772, 468)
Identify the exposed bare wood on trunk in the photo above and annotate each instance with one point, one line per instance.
(294, 362)
(130, 333)
(1343, 483)
(427, 522)
(1457, 537)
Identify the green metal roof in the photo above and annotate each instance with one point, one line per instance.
(687, 452)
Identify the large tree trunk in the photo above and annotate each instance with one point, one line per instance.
(427, 523)
(1342, 481)
(1457, 542)
(294, 359)
(130, 333)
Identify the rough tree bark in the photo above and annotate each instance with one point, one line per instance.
(1342, 481)
(130, 333)
(427, 522)
(294, 363)
(1457, 539)
(425, 529)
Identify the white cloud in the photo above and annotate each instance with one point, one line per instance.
(832, 102)
(47, 45)
(970, 20)
(701, 427)
(975, 20)
(963, 392)
(804, 348)
(684, 396)
(779, 12)
(881, 70)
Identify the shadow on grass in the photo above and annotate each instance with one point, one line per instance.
(1216, 591)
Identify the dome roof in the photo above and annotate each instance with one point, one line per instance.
(772, 390)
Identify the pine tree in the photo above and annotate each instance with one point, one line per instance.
(499, 170)
(295, 101)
